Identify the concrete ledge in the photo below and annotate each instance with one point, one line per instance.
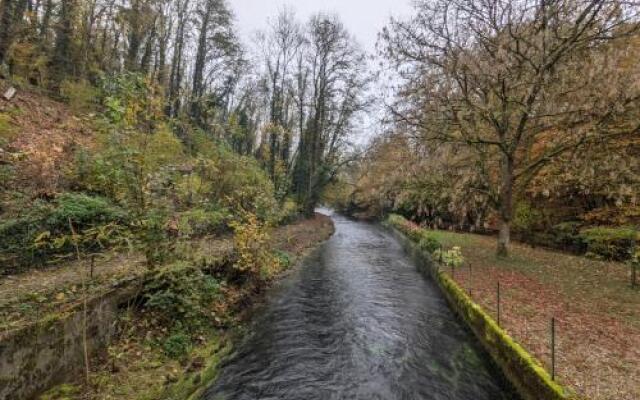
(523, 370)
(45, 353)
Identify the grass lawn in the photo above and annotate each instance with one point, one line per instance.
(597, 313)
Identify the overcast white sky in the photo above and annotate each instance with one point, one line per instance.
(363, 18)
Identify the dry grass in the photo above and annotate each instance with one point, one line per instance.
(597, 312)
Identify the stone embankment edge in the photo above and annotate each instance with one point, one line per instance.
(524, 371)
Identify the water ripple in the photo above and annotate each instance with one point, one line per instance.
(357, 321)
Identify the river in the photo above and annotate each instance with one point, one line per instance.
(357, 321)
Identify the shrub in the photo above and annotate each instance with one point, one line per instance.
(84, 211)
(525, 217)
(452, 257)
(428, 243)
(80, 95)
(251, 243)
(422, 237)
(43, 229)
(284, 259)
(289, 212)
(567, 236)
(200, 221)
(181, 294)
(610, 243)
(177, 345)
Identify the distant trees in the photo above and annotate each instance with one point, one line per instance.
(281, 46)
(313, 80)
(335, 79)
(516, 83)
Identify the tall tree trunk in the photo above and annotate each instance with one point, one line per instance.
(175, 79)
(63, 57)
(6, 14)
(201, 58)
(506, 205)
(46, 20)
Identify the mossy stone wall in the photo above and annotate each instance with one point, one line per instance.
(51, 351)
(524, 372)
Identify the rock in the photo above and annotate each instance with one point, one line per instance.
(9, 94)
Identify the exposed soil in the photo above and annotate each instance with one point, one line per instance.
(49, 135)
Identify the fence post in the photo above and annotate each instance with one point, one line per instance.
(498, 302)
(553, 348)
(441, 254)
(634, 273)
(93, 264)
(470, 277)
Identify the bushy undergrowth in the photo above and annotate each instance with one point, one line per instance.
(144, 182)
(254, 258)
(607, 243)
(44, 229)
(421, 236)
(180, 296)
(610, 243)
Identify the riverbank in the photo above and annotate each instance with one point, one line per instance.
(147, 359)
(595, 309)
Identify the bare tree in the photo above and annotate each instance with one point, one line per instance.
(280, 46)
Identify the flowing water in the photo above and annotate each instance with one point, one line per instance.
(357, 321)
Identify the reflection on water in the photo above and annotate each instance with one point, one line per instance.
(357, 321)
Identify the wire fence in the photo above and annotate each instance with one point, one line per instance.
(553, 334)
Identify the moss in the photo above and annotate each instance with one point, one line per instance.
(191, 386)
(499, 337)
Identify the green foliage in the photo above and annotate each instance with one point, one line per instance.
(525, 217)
(7, 129)
(62, 392)
(43, 230)
(177, 346)
(181, 293)
(153, 236)
(284, 259)
(427, 241)
(243, 186)
(199, 221)
(451, 258)
(288, 212)
(251, 242)
(131, 100)
(80, 95)
(84, 211)
(610, 243)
